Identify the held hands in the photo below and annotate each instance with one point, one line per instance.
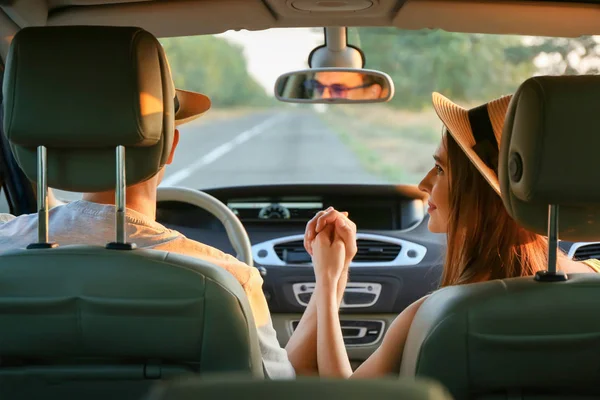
(345, 229)
(321, 240)
(328, 254)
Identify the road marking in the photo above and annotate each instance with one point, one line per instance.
(220, 151)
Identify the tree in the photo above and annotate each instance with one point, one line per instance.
(560, 56)
(216, 67)
(467, 67)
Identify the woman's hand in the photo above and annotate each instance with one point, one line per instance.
(329, 257)
(345, 229)
(328, 254)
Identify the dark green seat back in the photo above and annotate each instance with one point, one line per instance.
(79, 314)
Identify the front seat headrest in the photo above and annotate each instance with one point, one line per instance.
(81, 91)
(549, 155)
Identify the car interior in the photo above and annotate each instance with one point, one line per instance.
(125, 323)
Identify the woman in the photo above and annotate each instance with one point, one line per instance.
(484, 242)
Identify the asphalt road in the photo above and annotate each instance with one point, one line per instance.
(280, 147)
(264, 148)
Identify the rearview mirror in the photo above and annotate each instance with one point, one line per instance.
(334, 86)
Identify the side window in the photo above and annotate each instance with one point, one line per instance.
(3, 202)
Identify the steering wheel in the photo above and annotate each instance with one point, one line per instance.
(238, 237)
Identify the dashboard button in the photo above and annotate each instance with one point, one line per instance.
(304, 297)
(358, 298)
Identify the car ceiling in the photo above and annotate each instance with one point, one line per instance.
(168, 18)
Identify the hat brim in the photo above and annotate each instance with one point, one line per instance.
(456, 120)
(191, 106)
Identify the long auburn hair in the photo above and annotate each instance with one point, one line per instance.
(484, 242)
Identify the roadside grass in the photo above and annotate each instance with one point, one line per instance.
(396, 145)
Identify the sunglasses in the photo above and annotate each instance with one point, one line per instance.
(335, 89)
(177, 105)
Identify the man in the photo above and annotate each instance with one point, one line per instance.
(344, 85)
(91, 221)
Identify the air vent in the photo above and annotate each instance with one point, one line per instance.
(376, 251)
(587, 251)
(292, 252)
(373, 251)
(368, 251)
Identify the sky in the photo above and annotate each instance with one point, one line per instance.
(273, 52)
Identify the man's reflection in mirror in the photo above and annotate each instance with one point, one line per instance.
(343, 85)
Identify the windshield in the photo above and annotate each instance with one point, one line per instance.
(250, 138)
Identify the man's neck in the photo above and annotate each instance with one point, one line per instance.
(140, 198)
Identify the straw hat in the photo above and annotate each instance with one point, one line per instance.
(189, 106)
(477, 131)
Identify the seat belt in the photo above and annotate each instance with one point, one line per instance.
(19, 191)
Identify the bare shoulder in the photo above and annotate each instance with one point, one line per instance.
(414, 307)
(420, 301)
(405, 318)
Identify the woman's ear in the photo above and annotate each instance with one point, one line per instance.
(174, 146)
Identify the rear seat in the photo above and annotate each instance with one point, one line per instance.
(233, 388)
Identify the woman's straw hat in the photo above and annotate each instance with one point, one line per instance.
(477, 131)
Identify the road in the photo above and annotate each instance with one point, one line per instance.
(278, 147)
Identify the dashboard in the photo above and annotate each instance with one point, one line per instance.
(281, 206)
(398, 259)
(371, 215)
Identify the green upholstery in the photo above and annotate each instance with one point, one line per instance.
(78, 313)
(87, 322)
(81, 91)
(514, 336)
(550, 130)
(234, 388)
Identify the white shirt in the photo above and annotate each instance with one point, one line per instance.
(83, 222)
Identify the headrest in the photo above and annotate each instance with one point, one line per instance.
(82, 91)
(549, 154)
